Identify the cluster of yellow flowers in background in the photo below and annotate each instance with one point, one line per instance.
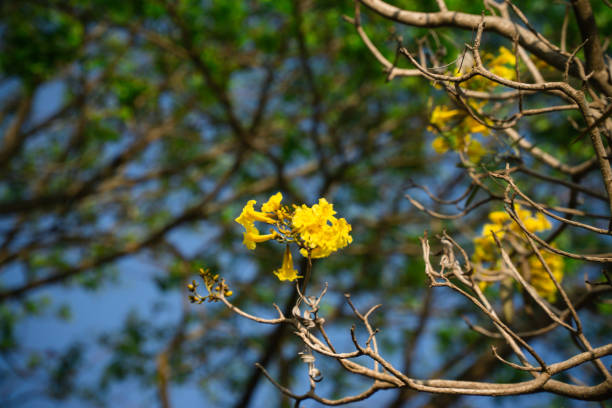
(456, 128)
(315, 230)
(503, 65)
(486, 252)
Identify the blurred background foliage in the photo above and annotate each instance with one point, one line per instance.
(135, 131)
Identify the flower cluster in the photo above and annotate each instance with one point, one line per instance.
(215, 286)
(508, 231)
(502, 65)
(315, 230)
(455, 129)
(320, 232)
(540, 280)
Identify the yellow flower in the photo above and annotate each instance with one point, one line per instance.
(544, 223)
(503, 71)
(537, 223)
(502, 65)
(253, 237)
(475, 151)
(320, 231)
(540, 280)
(473, 126)
(250, 215)
(489, 229)
(247, 219)
(505, 57)
(286, 271)
(251, 231)
(441, 115)
(456, 127)
(273, 204)
(309, 219)
(499, 217)
(485, 250)
(315, 229)
(440, 145)
(521, 212)
(329, 239)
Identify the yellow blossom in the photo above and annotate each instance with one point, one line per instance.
(247, 219)
(540, 280)
(456, 128)
(503, 71)
(473, 126)
(249, 214)
(499, 217)
(315, 230)
(484, 246)
(489, 229)
(544, 223)
(505, 57)
(273, 204)
(485, 250)
(252, 238)
(286, 271)
(475, 150)
(441, 115)
(504, 64)
(440, 145)
(321, 232)
(537, 223)
(521, 212)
